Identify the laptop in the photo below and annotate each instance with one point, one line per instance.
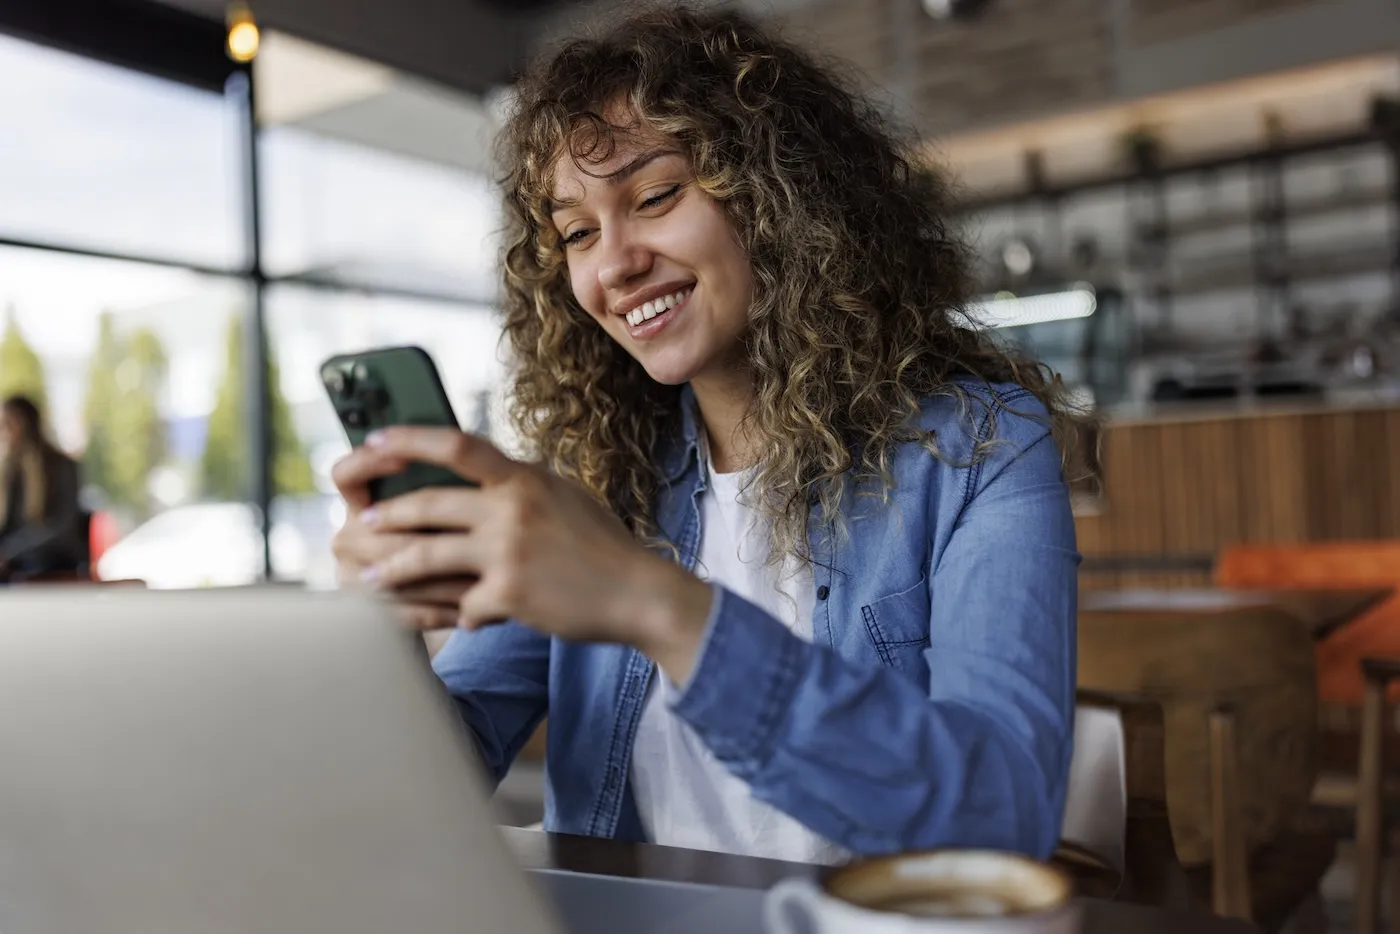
(239, 761)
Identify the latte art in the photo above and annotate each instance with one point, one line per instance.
(957, 904)
(936, 892)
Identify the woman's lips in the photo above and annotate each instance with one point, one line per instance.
(650, 327)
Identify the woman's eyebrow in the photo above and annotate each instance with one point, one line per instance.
(636, 163)
(619, 175)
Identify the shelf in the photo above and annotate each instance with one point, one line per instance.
(1213, 223)
(1237, 271)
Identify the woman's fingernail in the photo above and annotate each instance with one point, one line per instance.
(370, 516)
(370, 574)
(376, 439)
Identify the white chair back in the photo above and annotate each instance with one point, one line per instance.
(1096, 806)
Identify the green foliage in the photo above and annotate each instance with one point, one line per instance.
(98, 406)
(21, 372)
(225, 463)
(126, 436)
(225, 460)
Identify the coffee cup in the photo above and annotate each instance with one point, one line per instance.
(937, 892)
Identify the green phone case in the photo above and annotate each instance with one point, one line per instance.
(385, 387)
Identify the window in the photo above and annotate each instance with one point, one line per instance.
(131, 364)
(103, 158)
(126, 292)
(346, 212)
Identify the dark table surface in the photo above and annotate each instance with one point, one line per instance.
(537, 850)
(1322, 611)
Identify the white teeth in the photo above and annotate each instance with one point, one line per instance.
(648, 310)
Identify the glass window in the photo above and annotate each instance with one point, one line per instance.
(140, 377)
(104, 158)
(348, 213)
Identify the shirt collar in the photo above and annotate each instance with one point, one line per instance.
(680, 451)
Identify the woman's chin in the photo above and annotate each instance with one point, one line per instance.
(670, 372)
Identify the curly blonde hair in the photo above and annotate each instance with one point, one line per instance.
(860, 284)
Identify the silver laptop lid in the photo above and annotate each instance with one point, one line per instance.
(237, 761)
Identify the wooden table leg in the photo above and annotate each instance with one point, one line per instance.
(1230, 890)
(1370, 805)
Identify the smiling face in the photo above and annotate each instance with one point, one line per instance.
(654, 260)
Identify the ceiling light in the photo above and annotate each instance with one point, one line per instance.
(1017, 257)
(952, 9)
(243, 36)
(1006, 310)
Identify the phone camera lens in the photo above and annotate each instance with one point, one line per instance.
(355, 418)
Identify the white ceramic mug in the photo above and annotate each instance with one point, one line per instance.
(939, 892)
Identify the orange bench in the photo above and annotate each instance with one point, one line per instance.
(1322, 566)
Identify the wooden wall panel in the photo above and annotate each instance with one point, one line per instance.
(1391, 459)
(1159, 20)
(1192, 486)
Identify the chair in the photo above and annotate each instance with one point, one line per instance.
(1370, 806)
(1116, 806)
(1237, 690)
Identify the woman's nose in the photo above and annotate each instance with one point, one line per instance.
(623, 260)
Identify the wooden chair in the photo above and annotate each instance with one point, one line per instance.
(1116, 838)
(1237, 691)
(1371, 827)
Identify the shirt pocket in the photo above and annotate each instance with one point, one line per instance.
(898, 626)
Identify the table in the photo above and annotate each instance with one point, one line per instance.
(1323, 612)
(541, 851)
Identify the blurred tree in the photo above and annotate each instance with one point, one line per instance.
(136, 423)
(21, 373)
(97, 406)
(226, 459)
(126, 435)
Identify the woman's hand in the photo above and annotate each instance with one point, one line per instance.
(541, 549)
(430, 605)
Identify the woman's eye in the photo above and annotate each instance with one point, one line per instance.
(657, 199)
(576, 237)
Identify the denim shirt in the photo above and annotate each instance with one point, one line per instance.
(935, 704)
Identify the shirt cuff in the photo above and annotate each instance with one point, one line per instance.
(743, 683)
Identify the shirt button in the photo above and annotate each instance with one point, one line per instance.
(823, 591)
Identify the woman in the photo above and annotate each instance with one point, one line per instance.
(794, 575)
(39, 514)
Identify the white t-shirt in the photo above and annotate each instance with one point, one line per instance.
(684, 795)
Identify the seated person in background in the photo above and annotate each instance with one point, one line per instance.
(39, 515)
(792, 569)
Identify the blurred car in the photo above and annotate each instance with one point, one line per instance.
(220, 545)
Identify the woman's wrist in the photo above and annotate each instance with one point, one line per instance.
(666, 612)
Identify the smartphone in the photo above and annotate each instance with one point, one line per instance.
(391, 386)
